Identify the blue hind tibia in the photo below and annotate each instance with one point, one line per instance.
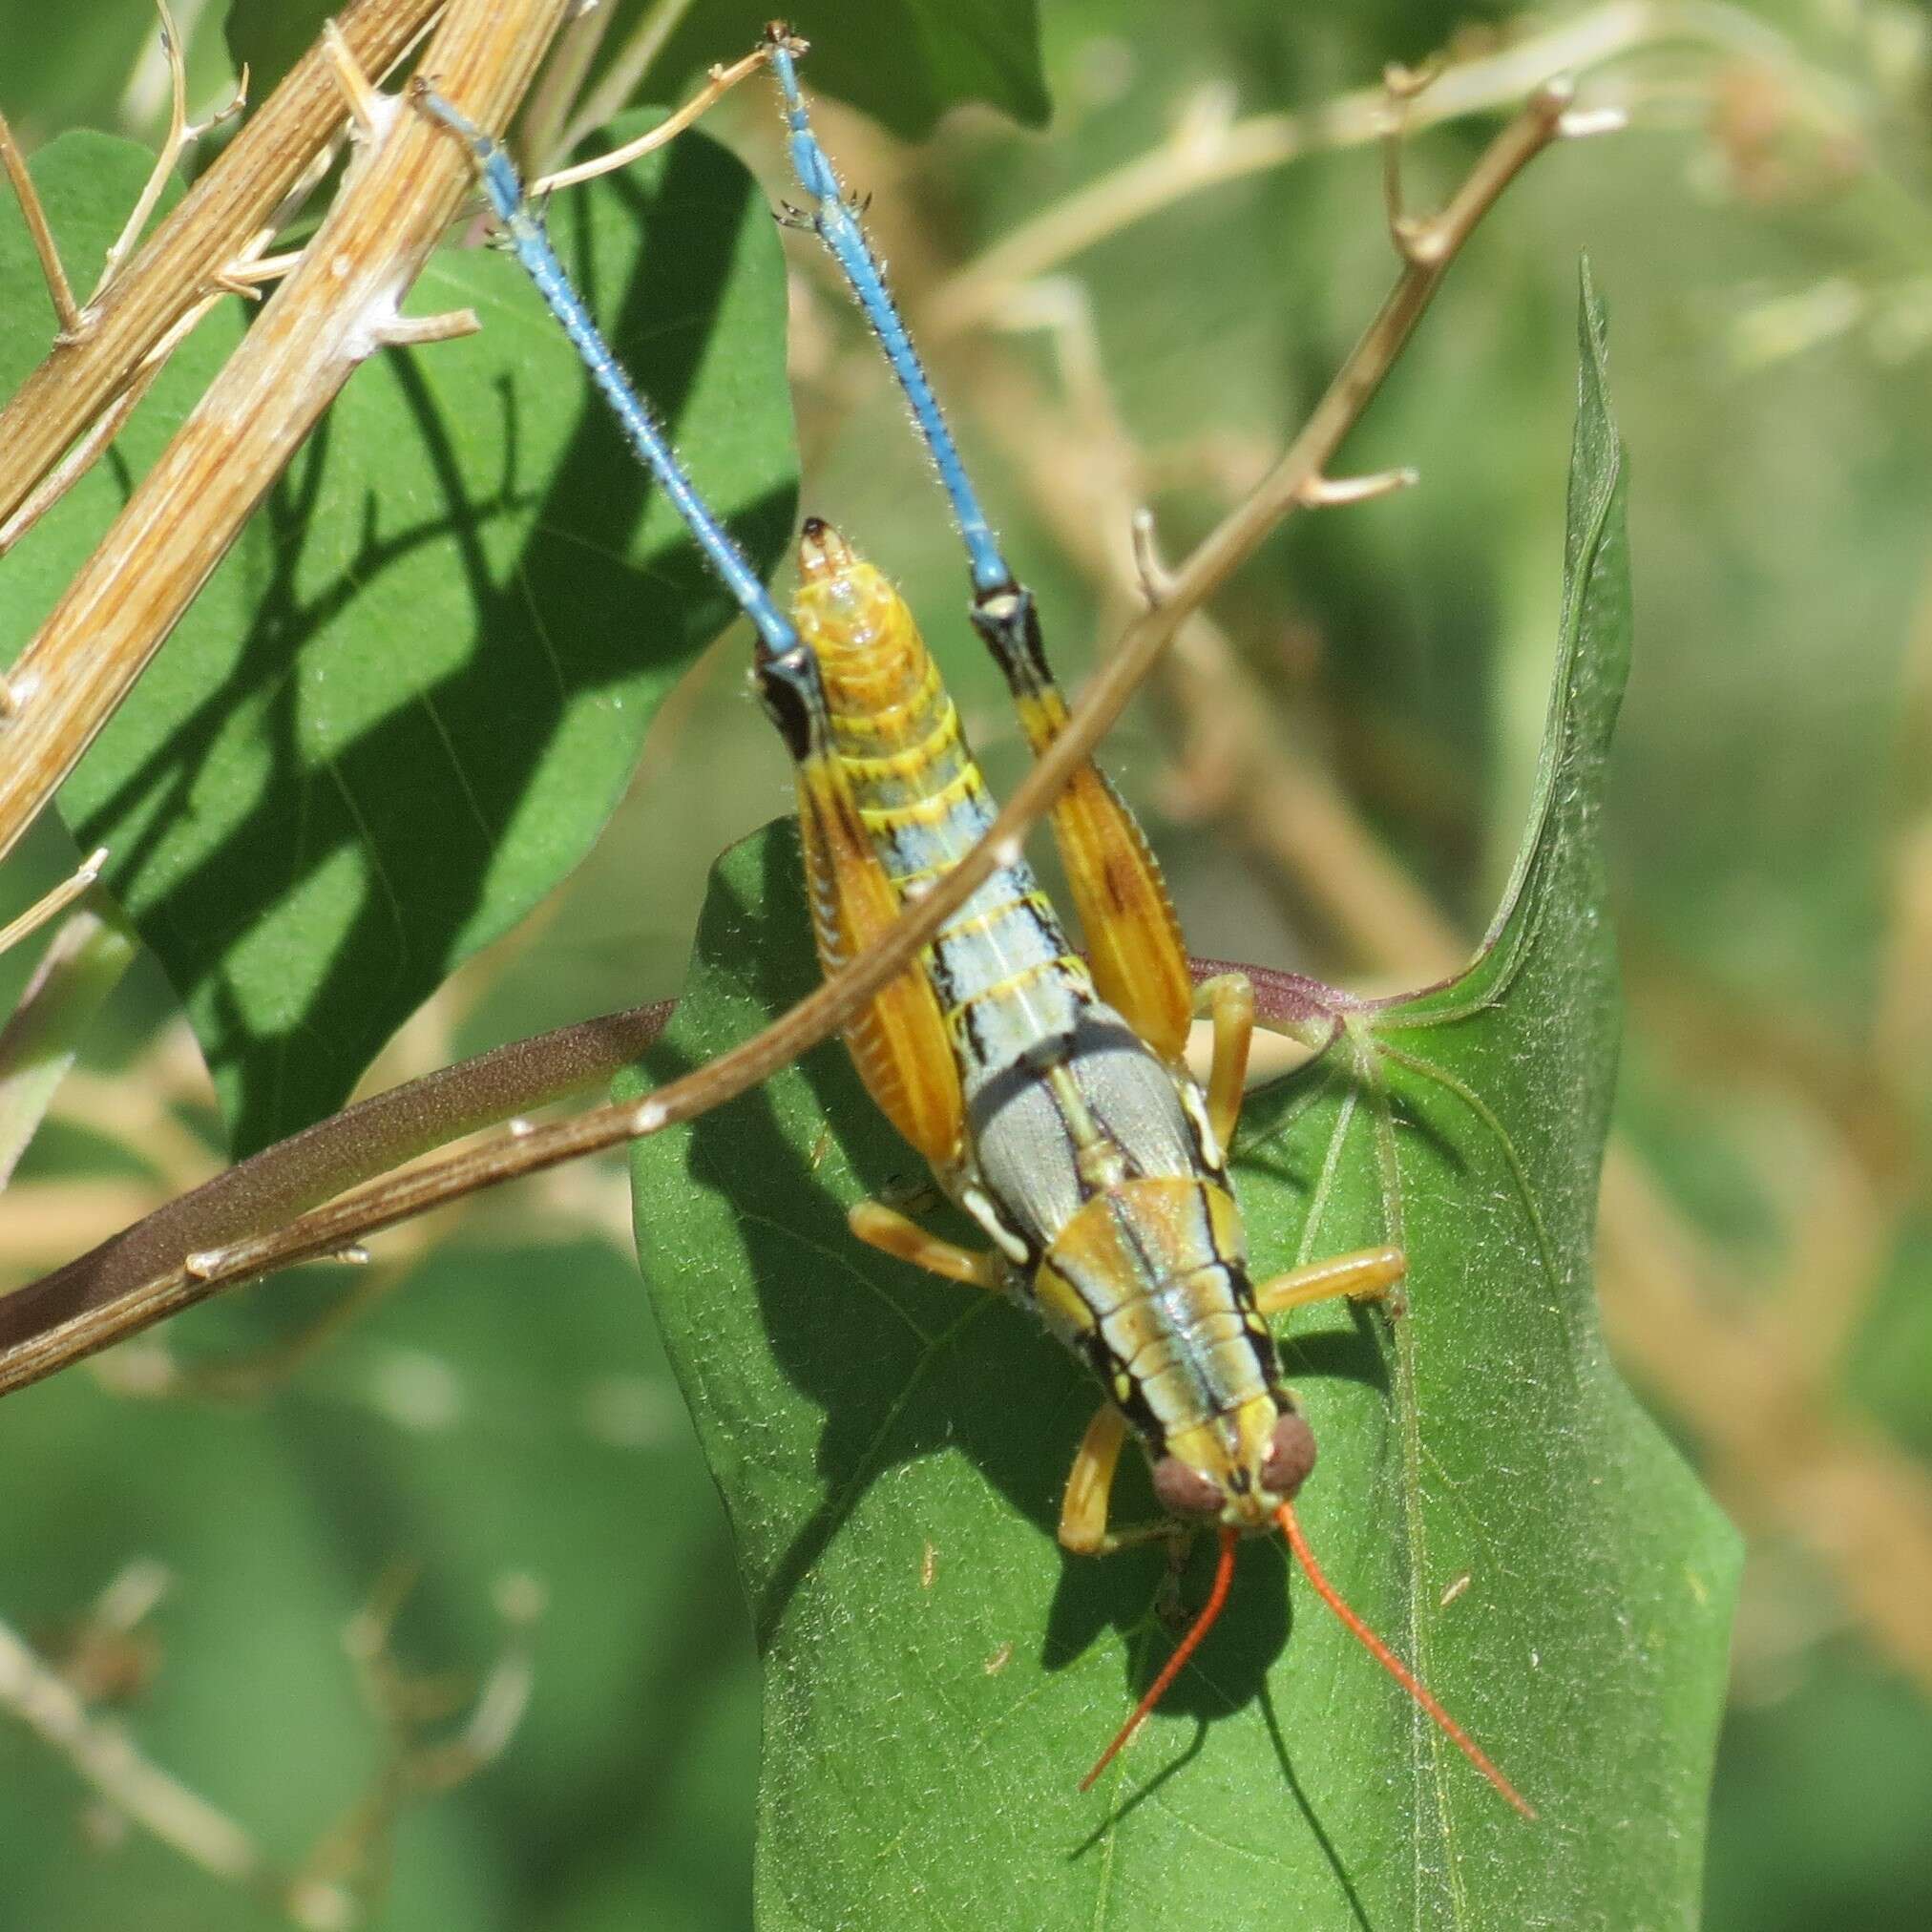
(524, 228)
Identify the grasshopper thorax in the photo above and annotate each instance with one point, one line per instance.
(880, 683)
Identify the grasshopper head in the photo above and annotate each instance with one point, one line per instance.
(1236, 1470)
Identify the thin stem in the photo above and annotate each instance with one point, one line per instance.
(66, 310)
(173, 143)
(46, 1326)
(722, 80)
(213, 224)
(44, 908)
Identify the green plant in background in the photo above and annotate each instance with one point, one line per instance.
(459, 610)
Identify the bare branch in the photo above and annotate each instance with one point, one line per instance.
(1325, 492)
(414, 331)
(213, 224)
(245, 278)
(1401, 84)
(358, 92)
(323, 321)
(1157, 580)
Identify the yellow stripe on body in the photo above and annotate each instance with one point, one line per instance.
(1010, 987)
(1146, 1275)
(898, 1041)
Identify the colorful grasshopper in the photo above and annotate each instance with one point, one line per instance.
(1048, 1092)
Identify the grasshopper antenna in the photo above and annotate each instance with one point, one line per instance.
(1217, 1596)
(1423, 1697)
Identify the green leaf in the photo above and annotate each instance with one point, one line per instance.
(405, 705)
(937, 1674)
(444, 1445)
(904, 62)
(269, 36)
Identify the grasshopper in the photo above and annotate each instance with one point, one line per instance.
(1048, 1092)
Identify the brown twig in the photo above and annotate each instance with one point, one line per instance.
(46, 1333)
(66, 310)
(260, 1193)
(338, 308)
(178, 266)
(718, 84)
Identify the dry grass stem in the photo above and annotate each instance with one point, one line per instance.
(722, 80)
(334, 311)
(63, 896)
(216, 222)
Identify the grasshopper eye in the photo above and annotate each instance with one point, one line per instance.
(1289, 1457)
(1184, 1491)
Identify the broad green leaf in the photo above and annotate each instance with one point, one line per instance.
(904, 62)
(937, 1674)
(405, 705)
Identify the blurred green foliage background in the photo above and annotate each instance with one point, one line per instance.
(496, 1430)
